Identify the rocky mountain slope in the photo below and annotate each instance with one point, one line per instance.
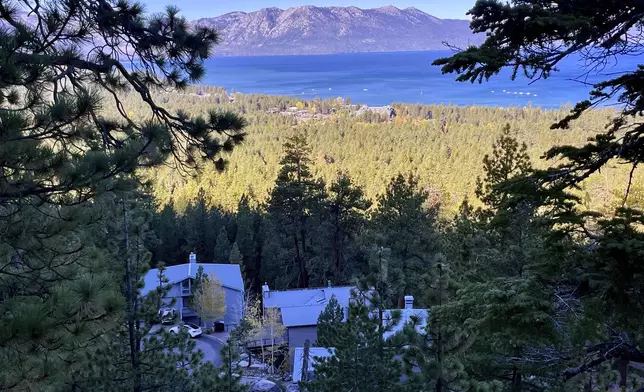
(322, 30)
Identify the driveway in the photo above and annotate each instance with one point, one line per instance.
(211, 348)
(210, 345)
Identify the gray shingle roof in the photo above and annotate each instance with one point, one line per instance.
(300, 316)
(302, 307)
(307, 297)
(229, 275)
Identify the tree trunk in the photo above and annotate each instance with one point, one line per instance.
(131, 306)
(303, 278)
(623, 373)
(516, 380)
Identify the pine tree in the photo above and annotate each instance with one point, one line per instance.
(509, 160)
(170, 235)
(293, 205)
(60, 153)
(532, 32)
(199, 228)
(433, 354)
(346, 208)
(331, 323)
(537, 36)
(222, 247)
(405, 225)
(361, 361)
(247, 241)
(237, 258)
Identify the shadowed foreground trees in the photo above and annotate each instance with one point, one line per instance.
(68, 276)
(604, 272)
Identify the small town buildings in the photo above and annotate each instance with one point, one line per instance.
(179, 285)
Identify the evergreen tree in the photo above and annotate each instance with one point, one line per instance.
(331, 325)
(222, 247)
(199, 228)
(361, 361)
(66, 290)
(237, 258)
(536, 36)
(433, 353)
(170, 235)
(247, 241)
(509, 160)
(405, 224)
(294, 203)
(346, 208)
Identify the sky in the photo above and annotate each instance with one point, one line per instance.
(194, 9)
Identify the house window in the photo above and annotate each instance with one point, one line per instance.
(185, 287)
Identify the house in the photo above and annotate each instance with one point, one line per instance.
(314, 353)
(179, 285)
(407, 315)
(301, 308)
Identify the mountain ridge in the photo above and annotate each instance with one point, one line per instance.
(325, 30)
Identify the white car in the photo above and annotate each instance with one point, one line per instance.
(193, 330)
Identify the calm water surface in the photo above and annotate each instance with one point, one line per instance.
(409, 77)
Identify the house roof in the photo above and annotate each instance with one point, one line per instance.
(228, 274)
(314, 352)
(307, 297)
(300, 316)
(406, 316)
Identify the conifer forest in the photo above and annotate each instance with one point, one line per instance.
(519, 230)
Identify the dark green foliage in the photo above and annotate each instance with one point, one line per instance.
(74, 234)
(343, 223)
(361, 362)
(533, 37)
(404, 223)
(434, 355)
(509, 159)
(331, 325)
(200, 230)
(294, 207)
(222, 247)
(46, 53)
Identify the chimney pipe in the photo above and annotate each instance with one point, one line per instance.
(409, 302)
(266, 292)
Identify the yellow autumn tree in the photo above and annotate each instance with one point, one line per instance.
(210, 300)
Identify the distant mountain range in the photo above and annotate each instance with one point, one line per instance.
(324, 30)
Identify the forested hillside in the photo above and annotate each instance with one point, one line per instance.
(442, 145)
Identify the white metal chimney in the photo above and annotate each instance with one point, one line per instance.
(266, 292)
(409, 302)
(192, 259)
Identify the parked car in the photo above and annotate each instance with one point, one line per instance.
(193, 330)
(167, 315)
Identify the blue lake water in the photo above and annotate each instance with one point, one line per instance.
(407, 77)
